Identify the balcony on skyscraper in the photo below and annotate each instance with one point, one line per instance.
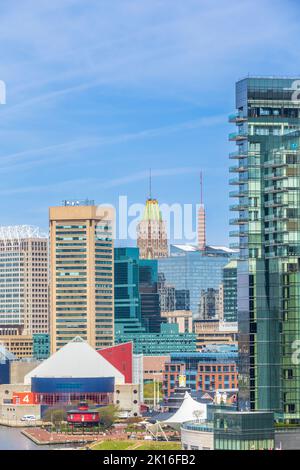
(238, 136)
(238, 169)
(238, 155)
(237, 117)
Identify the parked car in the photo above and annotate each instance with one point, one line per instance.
(28, 418)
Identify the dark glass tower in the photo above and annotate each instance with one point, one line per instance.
(268, 222)
(150, 305)
(127, 295)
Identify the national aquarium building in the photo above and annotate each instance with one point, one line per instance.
(75, 373)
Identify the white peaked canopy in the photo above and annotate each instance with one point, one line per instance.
(190, 410)
(76, 359)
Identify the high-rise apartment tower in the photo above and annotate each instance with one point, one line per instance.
(267, 217)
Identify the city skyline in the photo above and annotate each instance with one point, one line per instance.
(101, 93)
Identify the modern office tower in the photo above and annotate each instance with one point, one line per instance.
(82, 274)
(127, 294)
(152, 238)
(190, 271)
(23, 280)
(209, 304)
(148, 286)
(230, 292)
(268, 219)
(201, 221)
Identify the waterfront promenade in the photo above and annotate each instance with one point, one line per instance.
(43, 437)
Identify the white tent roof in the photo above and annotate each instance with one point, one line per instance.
(190, 410)
(76, 359)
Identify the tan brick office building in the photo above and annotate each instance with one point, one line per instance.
(81, 274)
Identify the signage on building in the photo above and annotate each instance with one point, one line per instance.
(24, 398)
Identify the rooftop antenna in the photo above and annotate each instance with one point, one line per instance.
(150, 184)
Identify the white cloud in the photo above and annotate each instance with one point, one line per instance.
(60, 151)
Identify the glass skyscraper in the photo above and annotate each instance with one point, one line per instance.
(127, 295)
(268, 222)
(137, 308)
(193, 272)
(148, 287)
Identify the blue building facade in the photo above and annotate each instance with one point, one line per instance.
(67, 390)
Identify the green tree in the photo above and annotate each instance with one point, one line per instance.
(55, 416)
(108, 415)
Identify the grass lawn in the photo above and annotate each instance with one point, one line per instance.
(112, 445)
(159, 445)
(136, 445)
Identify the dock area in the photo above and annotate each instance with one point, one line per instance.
(43, 437)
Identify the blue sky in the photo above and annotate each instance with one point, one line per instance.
(99, 91)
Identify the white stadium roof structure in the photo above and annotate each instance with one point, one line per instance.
(190, 410)
(76, 359)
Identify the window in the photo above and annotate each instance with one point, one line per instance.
(288, 374)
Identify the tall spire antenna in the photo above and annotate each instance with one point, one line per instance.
(201, 219)
(201, 188)
(150, 184)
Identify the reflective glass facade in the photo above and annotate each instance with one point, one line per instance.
(127, 295)
(148, 287)
(243, 431)
(268, 221)
(193, 272)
